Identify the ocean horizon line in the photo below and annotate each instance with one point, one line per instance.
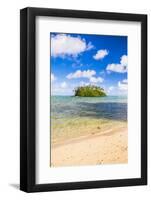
(92, 97)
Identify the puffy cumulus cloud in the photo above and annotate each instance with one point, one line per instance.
(122, 85)
(119, 67)
(89, 74)
(96, 79)
(101, 54)
(124, 60)
(53, 77)
(63, 85)
(66, 45)
(81, 74)
(61, 88)
(82, 83)
(116, 68)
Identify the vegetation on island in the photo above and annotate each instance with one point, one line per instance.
(89, 91)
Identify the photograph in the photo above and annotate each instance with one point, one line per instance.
(83, 99)
(88, 99)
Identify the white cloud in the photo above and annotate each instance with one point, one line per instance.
(82, 83)
(81, 74)
(119, 67)
(89, 74)
(62, 88)
(63, 85)
(89, 46)
(66, 45)
(116, 68)
(53, 78)
(122, 85)
(124, 60)
(111, 88)
(100, 54)
(125, 81)
(96, 79)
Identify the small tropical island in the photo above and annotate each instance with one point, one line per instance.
(89, 91)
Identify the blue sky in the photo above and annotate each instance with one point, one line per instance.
(81, 59)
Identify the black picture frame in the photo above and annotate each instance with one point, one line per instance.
(28, 99)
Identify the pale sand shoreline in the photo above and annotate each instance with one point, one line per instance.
(108, 147)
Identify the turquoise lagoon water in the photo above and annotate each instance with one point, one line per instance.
(110, 107)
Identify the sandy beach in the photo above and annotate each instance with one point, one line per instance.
(100, 147)
(88, 131)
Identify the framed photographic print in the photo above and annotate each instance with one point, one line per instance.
(83, 98)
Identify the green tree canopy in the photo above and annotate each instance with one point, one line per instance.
(89, 91)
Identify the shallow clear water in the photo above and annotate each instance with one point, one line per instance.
(110, 107)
